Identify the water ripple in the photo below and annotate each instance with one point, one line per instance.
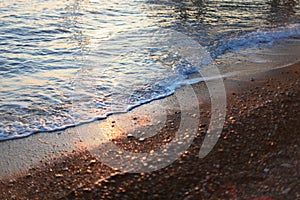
(63, 62)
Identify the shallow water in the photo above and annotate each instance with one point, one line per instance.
(67, 62)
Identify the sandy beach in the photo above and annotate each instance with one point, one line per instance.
(256, 157)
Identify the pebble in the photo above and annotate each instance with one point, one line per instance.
(92, 162)
(217, 166)
(59, 175)
(202, 126)
(287, 165)
(65, 169)
(286, 191)
(80, 186)
(12, 181)
(122, 189)
(87, 189)
(130, 135)
(28, 175)
(266, 170)
(142, 134)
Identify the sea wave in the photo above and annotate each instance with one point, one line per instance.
(68, 64)
(258, 38)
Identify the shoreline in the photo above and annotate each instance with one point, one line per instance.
(256, 155)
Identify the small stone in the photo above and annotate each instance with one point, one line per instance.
(129, 135)
(92, 162)
(122, 190)
(287, 165)
(12, 181)
(266, 170)
(142, 134)
(286, 191)
(87, 189)
(80, 186)
(65, 169)
(202, 126)
(28, 175)
(59, 175)
(141, 139)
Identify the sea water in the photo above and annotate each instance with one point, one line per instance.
(67, 62)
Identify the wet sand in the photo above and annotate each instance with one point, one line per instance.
(257, 155)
